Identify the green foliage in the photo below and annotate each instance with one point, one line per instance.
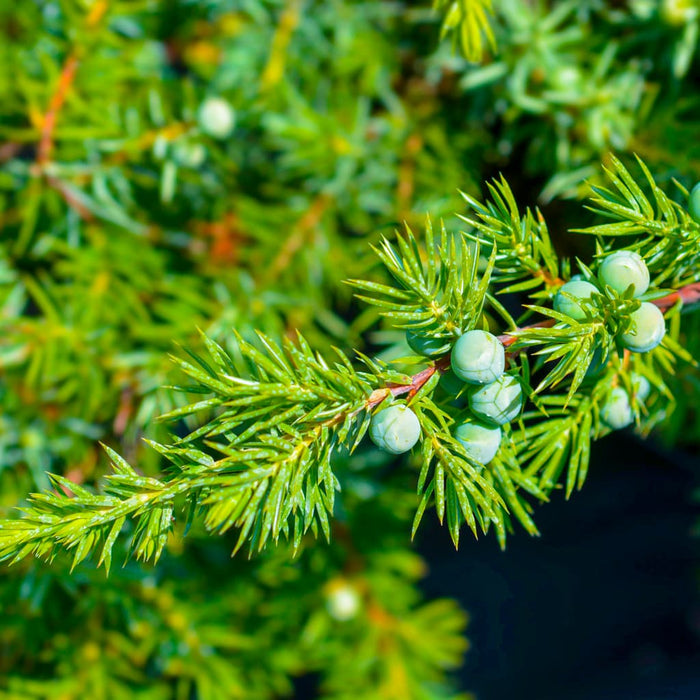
(573, 80)
(192, 629)
(470, 22)
(127, 223)
(124, 226)
(276, 432)
(263, 461)
(524, 254)
(436, 287)
(667, 237)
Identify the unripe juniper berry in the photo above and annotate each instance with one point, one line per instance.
(216, 117)
(694, 203)
(343, 602)
(617, 412)
(395, 429)
(498, 402)
(480, 441)
(625, 268)
(478, 357)
(579, 289)
(640, 386)
(189, 154)
(430, 347)
(646, 330)
(566, 78)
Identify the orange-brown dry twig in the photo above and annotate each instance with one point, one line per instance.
(298, 236)
(65, 81)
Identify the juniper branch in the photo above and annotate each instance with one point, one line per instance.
(278, 415)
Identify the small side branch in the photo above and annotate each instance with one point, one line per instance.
(690, 294)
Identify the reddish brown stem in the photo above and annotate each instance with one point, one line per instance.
(299, 235)
(690, 294)
(417, 382)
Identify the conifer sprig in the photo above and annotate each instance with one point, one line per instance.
(277, 418)
(84, 522)
(470, 21)
(437, 287)
(525, 257)
(262, 463)
(450, 478)
(666, 236)
(561, 441)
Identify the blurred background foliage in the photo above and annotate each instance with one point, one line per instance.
(130, 217)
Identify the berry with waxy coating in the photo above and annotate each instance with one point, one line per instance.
(566, 78)
(625, 268)
(694, 203)
(216, 117)
(498, 402)
(617, 412)
(480, 441)
(478, 357)
(646, 330)
(395, 429)
(640, 386)
(343, 601)
(579, 289)
(430, 347)
(189, 154)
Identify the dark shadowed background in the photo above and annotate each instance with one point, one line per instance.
(604, 604)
